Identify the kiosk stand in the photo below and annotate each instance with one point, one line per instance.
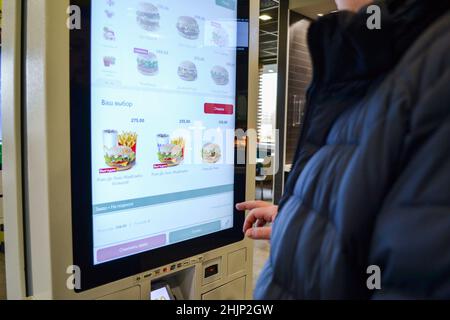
(104, 197)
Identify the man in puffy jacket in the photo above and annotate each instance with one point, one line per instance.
(371, 182)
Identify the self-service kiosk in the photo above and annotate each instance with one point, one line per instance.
(122, 162)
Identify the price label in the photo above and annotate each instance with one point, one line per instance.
(137, 120)
(185, 121)
(163, 52)
(200, 18)
(223, 122)
(163, 7)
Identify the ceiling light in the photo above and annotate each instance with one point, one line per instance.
(265, 17)
(320, 14)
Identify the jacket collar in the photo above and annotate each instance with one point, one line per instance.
(344, 49)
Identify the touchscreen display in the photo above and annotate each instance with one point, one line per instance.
(163, 91)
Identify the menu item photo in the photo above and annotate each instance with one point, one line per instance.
(188, 28)
(120, 158)
(170, 152)
(220, 76)
(148, 16)
(120, 150)
(109, 14)
(187, 71)
(211, 153)
(109, 34)
(109, 61)
(147, 64)
(220, 36)
(128, 139)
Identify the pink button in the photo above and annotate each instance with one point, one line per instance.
(131, 248)
(217, 108)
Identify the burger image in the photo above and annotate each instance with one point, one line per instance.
(120, 157)
(211, 153)
(188, 28)
(220, 37)
(170, 154)
(220, 75)
(148, 16)
(147, 64)
(109, 34)
(187, 71)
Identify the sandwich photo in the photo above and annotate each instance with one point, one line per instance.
(147, 64)
(211, 153)
(148, 16)
(220, 76)
(120, 157)
(170, 154)
(120, 149)
(188, 28)
(187, 71)
(220, 36)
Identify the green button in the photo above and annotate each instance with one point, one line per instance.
(194, 232)
(229, 4)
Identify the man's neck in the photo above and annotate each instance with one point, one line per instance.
(352, 5)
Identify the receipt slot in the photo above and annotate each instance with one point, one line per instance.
(131, 174)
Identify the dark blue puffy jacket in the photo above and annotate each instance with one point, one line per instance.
(371, 180)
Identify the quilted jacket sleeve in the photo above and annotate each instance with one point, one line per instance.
(411, 239)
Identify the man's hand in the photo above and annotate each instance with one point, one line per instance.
(261, 213)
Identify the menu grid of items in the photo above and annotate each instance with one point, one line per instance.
(163, 119)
